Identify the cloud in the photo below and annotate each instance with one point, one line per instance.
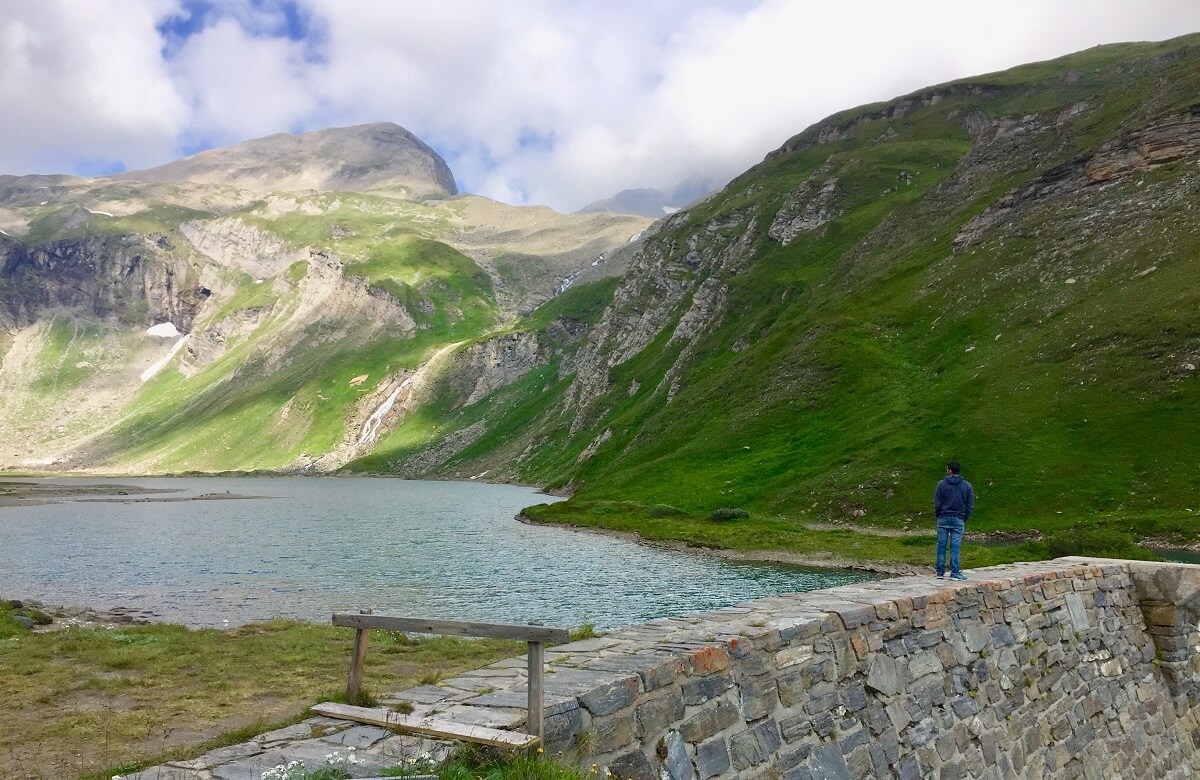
(85, 82)
(260, 90)
(530, 100)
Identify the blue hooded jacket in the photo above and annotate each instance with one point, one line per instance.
(954, 497)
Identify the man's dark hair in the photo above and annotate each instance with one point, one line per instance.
(954, 467)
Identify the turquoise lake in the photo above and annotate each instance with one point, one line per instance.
(306, 547)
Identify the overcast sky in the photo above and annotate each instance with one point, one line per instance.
(556, 102)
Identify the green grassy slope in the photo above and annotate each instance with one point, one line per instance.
(844, 368)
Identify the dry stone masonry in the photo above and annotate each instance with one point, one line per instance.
(1062, 669)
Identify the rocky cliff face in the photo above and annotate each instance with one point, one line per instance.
(132, 278)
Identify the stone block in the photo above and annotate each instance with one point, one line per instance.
(561, 728)
(964, 707)
(753, 665)
(1002, 635)
(823, 724)
(710, 660)
(754, 745)
(795, 756)
(883, 675)
(358, 737)
(821, 703)
(796, 728)
(613, 732)
(898, 715)
(704, 724)
(854, 696)
(705, 689)
(853, 739)
(678, 764)
(859, 762)
(656, 714)
(160, 773)
(610, 697)
(792, 656)
(922, 664)
(712, 759)
(661, 674)
(1160, 614)
(759, 697)
(920, 733)
(633, 766)
(828, 763)
(855, 615)
(1075, 608)
(909, 768)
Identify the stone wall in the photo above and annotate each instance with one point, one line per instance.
(1063, 669)
(1070, 668)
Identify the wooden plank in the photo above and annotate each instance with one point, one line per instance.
(429, 726)
(537, 668)
(455, 628)
(354, 682)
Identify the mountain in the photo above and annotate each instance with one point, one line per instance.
(200, 317)
(653, 203)
(342, 159)
(1000, 270)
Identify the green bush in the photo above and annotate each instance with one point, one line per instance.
(664, 510)
(727, 513)
(1094, 542)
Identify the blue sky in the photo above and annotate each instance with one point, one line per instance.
(530, 101)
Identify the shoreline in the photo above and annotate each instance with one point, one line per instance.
(746, 556)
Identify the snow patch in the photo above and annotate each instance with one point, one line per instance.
(160, 365)
(634, 237)
(166, 330)
(6, 233)
(670, 209)
(101, 213)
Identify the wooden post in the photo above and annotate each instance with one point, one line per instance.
(356, 665)
(533, 722)
(358, 661)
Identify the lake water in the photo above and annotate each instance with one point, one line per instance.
(311, 546)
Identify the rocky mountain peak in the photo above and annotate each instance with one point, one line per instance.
(354, 159)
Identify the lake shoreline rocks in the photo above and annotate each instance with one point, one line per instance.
(62, 616)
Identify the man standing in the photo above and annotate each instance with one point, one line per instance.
(953, 502)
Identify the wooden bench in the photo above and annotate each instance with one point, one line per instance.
(534, 635)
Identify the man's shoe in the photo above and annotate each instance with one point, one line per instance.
(941, 576)
(958, 576)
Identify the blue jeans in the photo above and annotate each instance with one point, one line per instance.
(949, 531)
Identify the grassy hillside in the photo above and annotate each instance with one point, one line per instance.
(1052, 348)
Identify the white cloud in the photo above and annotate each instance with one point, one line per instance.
(531, 100)
(84, 81)
(241, 86)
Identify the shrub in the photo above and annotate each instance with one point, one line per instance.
(586, 630)
(1094, 542)
(727, 513)
(664, 510)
